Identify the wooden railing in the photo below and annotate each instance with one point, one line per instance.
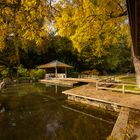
(109, 86)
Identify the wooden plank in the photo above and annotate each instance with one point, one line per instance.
(114, 89)
(119, 129)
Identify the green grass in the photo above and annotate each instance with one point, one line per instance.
(134, 88)
(126, 78)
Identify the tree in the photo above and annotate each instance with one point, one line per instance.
(134, 16)
(24, 21)
(96, 25)
(91, 22)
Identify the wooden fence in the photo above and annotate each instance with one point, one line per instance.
(111, 86)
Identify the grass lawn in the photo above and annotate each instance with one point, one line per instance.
(128, 87)
(126, 78)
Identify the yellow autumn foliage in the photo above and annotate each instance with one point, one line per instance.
(24, 20)
(95, 23)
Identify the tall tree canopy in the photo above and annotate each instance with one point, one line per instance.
(98, 29)
(94, 23)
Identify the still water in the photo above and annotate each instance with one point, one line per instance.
(41, 112)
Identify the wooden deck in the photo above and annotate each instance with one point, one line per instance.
(115, 98)
(119, 129)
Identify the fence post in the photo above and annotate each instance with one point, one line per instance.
(96, 86)
(123, 88)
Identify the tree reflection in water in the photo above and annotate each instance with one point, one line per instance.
(36, 112)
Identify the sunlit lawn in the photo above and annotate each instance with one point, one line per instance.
(126, 78)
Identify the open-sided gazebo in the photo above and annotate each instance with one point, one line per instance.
(56, 64)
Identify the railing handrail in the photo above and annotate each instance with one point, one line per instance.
(115, 89)
(109, 83)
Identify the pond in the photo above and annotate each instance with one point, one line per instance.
(41, 112)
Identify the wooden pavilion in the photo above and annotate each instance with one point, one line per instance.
(56, 65)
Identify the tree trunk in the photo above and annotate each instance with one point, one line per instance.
(133, 7)
(136, 62)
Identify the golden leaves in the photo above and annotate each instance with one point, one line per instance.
(11, 1)
(7, 11)
(90, 24)
(28, 4)
(25, 19)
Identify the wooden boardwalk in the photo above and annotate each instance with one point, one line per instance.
(114, 98)
(120, 127)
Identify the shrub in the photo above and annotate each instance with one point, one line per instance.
(94, 72)
(5, 73)
(40, 73)
(87, 72)
(32, 74)
(23, 72)
(90, 72)
(37, 74)
(73, 74)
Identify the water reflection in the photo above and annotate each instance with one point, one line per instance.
(2, 109)
(39, 112)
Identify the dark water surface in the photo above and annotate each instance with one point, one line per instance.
(41, 112)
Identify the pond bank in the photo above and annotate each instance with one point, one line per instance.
(115, 99)
(59, 82)
(6, 82)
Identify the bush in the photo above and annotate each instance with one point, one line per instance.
(40, 73)
(87, 72)
(5, 73)
(32, 74)
(94, 72)
(90, 72)
(23, 72)
(24, 78)
(37, 74)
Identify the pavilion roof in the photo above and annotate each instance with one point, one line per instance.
(54, 64)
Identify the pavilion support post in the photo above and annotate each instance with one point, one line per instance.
(56, 75)
(66, 72)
